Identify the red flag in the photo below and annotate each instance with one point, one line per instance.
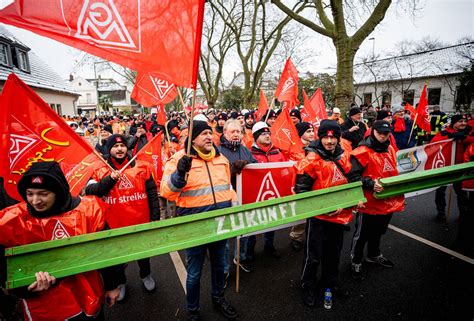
(36, 134)
(262, 106)
(284, 134)
(287, 89)
(77, 176)
(151, 153)
(161, 117)
(317, 102)
(423, 117)
(151, 90)
(411, 110)
(162, 36)
(307, 112)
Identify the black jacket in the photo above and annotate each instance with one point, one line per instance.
(235, 152)
(356, 136)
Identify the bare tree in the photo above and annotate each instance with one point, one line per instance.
(344, 17)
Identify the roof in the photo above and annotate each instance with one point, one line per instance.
(41, 75)
(438, 62)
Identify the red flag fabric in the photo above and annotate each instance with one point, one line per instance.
(423, 116)
(151, 153)
(287, 89)
(411, 110)
(262, 106)
(317, 102)
(36, 134)
(162, 36)
(308, 114)
(151, 90)
(161, 117)
(77, 176)
(284, 134)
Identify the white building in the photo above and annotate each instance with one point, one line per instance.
(16, 57)
(393, 80)
(87, 102)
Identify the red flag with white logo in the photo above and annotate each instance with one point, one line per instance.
(284, 134)
(262, 106)
(151, 90)
(162, 36)
(317, 102)
(423, 116)
(34, 133)
(161, 117)
(308, 114)
(151, 153)
(411, 110)
(287, 89)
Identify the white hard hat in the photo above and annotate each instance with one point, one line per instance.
(336, 110)
(258, 126)
(201, 117)
(244, 111)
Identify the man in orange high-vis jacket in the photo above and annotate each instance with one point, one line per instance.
(50, 212)
(200, 182)
(375, 158)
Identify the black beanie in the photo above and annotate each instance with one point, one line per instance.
(198, 127)
(295, 113)
(354, 111)
(222, 116)
(142, 125)
(108, 128)
(303, 127)
(383, 114)
(114, 139)
(456, 118)
(329, 128)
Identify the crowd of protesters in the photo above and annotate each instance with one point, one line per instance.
(358, 146)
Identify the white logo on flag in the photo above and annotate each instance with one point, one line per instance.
(100, 23)
(387, 167)
(337, 175)
(289, 83)
(439, 160)
(59, 232)
(268, 189)
(162, 86)
(125, 182)
(287, 132)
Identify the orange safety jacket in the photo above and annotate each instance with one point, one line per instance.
(469, 157)
(379, 165)
(208, 185)
(72, 295)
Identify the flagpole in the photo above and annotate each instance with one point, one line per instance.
(412, 127)
(191, 118)
(129, 162)
(96, 153)
(182, 100)
(272, 104)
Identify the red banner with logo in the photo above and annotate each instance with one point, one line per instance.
(422, 114)
(308, 114)
(287, 89)
(32, 132)
(162, 36)
(284, 134)
(151, 153)
(265, 181)
(262, 106)
(317, 102)
(150, 90)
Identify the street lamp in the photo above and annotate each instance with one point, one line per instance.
(373, 47)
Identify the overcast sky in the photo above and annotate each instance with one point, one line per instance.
(445, 20)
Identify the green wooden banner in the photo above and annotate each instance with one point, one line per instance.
(98, 250)
(399, 185)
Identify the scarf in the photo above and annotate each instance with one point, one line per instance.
(206, 157)
(265, 149)
(399, 126)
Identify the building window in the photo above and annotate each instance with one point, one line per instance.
(4, 56)
(434, 96)
(387, 98)
(88, 98)
(409, 96)
(23, 61)
(368, 99)
(58, 109)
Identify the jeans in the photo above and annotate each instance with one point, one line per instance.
(242, 256)
(195, 259)
(267, 237)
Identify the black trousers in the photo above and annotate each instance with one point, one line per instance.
(145, 270)
(461, 199)
(368, 229)
(84, 317)
(323, 246)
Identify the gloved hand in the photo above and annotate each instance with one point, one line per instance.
(184, 165)
(238, 165)
(457, 135)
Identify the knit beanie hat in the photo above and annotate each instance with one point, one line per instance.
(114, 139)
(108, 128)
(295, 113)
(456, 118)
(303, 127)
(329, 128)
(198, 127)
(383, 114)
(354, 111)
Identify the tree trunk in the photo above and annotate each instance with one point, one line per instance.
(344, 83)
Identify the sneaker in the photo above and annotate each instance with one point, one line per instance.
(309, 297)
(244, 265)
(272, 252)
(226, 279)
(194, 315)
(296, 245)
(380, 260)
(149, 283)
(356, 269)
(224, 307)
(122, 292)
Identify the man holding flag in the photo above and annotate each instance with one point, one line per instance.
(132, 196)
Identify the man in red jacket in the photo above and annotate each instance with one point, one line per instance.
(326, 165)
(264, 152)
(375, 158)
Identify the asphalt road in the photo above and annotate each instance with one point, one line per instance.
(425, 284)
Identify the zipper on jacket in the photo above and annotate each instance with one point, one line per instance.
(212, 186)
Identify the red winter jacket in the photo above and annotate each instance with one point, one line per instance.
(461, 143)
(273, 155)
